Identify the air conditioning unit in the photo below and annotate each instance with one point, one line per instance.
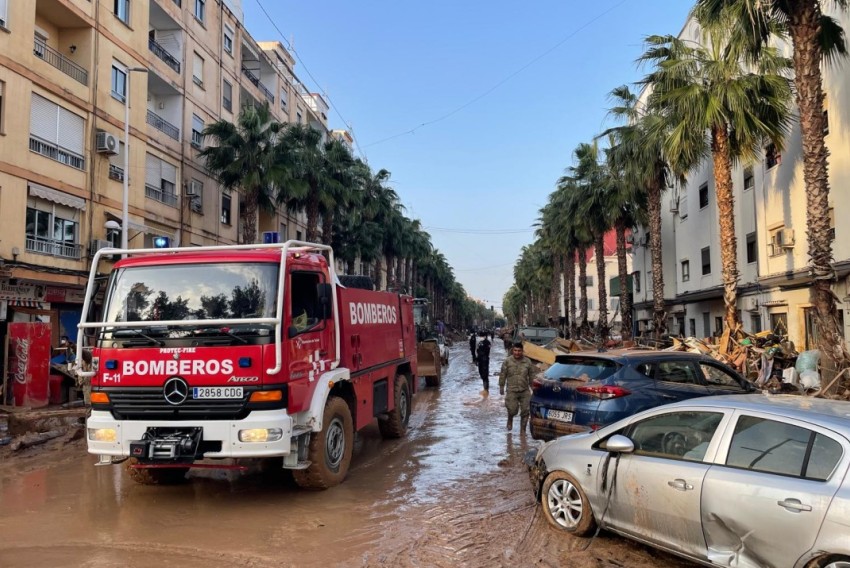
(785, 238)
(106, 143)
(98, 244)
(193, 190)
(751, 304)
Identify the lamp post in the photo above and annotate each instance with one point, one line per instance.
(125, 202)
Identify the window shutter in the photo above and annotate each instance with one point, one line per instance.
(198, 67)
(118, 159)
(71, 131)
(43, 115)
(169, 172)
(197, 123)
(153, 170)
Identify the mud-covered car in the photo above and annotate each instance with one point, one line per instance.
(585, 390)
(745, 481)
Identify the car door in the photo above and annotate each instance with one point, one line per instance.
(720, 380)
(677, 379)
(659, 485)
(763, 504)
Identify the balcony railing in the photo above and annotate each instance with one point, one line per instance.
(43, 51)
(54, 152)
(54, 248)
(163, 125)
(160, 52)
(160, 195)
(257, 83)
(116, 173)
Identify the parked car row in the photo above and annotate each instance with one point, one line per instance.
(747, 481)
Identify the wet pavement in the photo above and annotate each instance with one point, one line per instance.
(454, 492)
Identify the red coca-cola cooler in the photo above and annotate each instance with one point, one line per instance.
(29, 363)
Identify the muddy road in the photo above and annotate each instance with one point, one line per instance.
(454, 492)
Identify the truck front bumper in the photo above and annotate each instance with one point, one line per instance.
(224, 431)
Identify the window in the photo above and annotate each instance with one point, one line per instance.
(692, 325)
(227, 96)
(590, 303)
(298, 235)
(752, 248)
(160, 180)
(283, 234)
(718, 325)
(198, 70)
(588, 281)
(121, 9)
(119, 82)
(228, 39)
(717, 376)
(200, 10)
(686, 270)
(284, 99)
(683, 204)
(675, 435)
(706, 324)
(2, 106)
(772, 157)
(196, 195)
(197, 131)
(4, 20)
(57, 133)
(770, 446)
(225, 209)
(52, 229)
(305, 305)
(615, 304)
(116, 164)
(749, 178)
(706, 260)
(831, 214)
(298, 118)
(636, 280)
(681, 372)
(825, 117)
(755, 323)
(703, 196)
(781, 240)
(779, 323)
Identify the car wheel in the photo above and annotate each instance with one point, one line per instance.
(832, 562)
(566, 506)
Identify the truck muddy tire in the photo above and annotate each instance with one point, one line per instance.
(395, 426)
(330, 450)
(163, 476)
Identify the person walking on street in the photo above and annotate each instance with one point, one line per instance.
(517, 373)
(483, 354)
(472, 345)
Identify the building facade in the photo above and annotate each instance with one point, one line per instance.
(770, 225)
(69, 72)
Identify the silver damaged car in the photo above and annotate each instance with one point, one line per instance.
(744, 481)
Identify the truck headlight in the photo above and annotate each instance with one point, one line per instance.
(103, 435)
(260, 435)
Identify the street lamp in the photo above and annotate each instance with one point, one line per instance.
(125, 203)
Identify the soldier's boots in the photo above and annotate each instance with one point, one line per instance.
(510, 422)
(523, 423)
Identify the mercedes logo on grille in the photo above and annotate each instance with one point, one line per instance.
(175, 391)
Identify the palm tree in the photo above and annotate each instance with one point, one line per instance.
(815, 38)
(341, 187)
(246, 156)
(645, 165)
(722, 108)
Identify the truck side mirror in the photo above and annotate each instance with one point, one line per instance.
(325, 293)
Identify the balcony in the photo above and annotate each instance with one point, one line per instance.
(163, 125)
(116, 173)
(160, 195)
(56, 59)
(54, 152)
(256, 81)
(163, 54)
(54, 248)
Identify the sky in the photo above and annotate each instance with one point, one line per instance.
(474, 106)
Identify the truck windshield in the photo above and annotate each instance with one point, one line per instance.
(192, 291)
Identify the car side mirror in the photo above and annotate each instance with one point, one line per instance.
(619, 444)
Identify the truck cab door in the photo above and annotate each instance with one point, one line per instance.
(310, 324)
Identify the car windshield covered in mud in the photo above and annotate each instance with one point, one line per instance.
(190, 292)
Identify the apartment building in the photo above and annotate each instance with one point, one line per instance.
(770, 225)
(69, 72)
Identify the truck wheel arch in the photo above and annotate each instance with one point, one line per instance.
(324, 385)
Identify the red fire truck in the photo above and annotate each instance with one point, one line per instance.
(247, 351)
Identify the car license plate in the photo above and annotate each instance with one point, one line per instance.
(560, 415)
(216, 392)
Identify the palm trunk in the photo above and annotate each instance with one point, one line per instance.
(566, 294)
(249, 218)
(555, 292)
(726, 211)
(804, 28)
(659, 317)
(327, 227)
(313, 217)
(408, 275)
(571, 287)
(390, 277)
(399, 267)
(625, 295)
(602, 287)
(582, 283)
(378, 269)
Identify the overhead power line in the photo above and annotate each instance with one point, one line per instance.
(318, 85)
(503, 81)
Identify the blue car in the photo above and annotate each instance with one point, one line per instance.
(585, 391)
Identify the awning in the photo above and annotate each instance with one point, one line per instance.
(140, 227)
(23, 303)
(775, 303)
(56, 196)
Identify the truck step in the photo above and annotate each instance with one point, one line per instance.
(299, 430)
(292, 462)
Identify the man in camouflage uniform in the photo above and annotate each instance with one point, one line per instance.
(517, 371)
